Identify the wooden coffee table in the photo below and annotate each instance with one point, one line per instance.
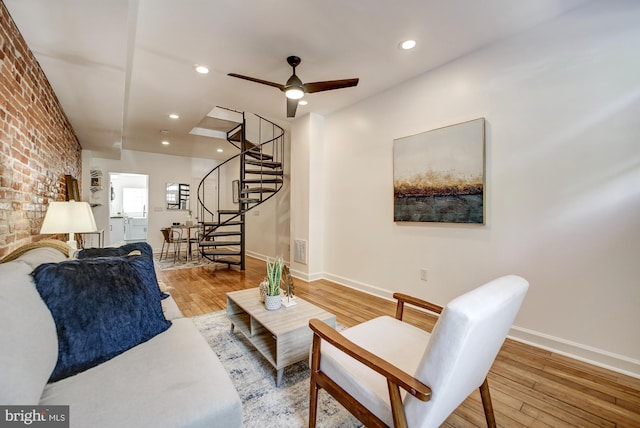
(283, 336)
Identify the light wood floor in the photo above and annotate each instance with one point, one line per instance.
(530, 387)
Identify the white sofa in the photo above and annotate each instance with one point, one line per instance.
(172, 380)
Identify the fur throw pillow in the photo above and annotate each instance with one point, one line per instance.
(101, 308)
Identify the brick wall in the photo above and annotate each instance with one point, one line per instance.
(37, 143)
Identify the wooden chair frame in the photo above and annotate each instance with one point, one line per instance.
(396, 378)
(172, 237)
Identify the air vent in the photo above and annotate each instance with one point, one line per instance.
(300, 251)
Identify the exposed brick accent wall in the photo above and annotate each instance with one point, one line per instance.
(37, 143)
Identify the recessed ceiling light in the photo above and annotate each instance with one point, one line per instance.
(164, 132)
(165, 143)
(303, 102)
(220, 150)
(201, 69)
(408, 44)
(174, 116)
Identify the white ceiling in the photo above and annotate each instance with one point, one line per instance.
(120, 67)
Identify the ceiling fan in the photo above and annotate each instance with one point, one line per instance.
(294, 89)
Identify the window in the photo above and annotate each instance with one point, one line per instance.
(134, 201)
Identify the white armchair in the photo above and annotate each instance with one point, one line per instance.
(389, 373)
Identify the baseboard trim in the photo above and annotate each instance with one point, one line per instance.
(306, 276)
(597, 357)
(360, 286)
(255, 255)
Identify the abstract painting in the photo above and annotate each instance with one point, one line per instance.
(439, 175)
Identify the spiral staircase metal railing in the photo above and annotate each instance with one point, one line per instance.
(238, 185)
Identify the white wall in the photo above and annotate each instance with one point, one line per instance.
(308, 195)
(161, 169)
(267, 227)
(562, 105)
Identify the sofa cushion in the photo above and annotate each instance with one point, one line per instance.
(38, 256)
(27, 337)
(170, 309)
(173, 380)
(101, 308)
(123, 250)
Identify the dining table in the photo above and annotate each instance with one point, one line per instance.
(186, 234)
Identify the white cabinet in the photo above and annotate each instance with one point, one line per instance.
(116, 230)
(135, 229)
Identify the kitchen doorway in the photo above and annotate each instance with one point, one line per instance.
(128, 207)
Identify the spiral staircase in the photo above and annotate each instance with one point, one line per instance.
(239, 184)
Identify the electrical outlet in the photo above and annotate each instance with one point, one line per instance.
(423, 274)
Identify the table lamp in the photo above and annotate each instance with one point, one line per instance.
(68, 217)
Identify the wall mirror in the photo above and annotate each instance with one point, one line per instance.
(177, 196)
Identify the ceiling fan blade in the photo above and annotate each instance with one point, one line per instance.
(329, 85)
(292, 105)
(253, 79)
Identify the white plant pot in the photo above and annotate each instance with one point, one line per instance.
(272, 303)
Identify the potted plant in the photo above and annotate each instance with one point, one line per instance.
(272, 300)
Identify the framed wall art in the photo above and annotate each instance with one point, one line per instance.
(439, 175)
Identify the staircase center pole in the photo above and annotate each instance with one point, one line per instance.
(241, 206)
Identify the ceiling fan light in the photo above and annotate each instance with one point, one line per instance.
(294, 93)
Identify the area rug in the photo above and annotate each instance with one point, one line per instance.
(167, 263)
(264, 404)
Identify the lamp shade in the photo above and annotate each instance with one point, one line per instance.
(68, 217)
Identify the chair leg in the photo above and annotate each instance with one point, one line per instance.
(487, 405)
(313, 404)
(313, 392)
(174, 253)
(197, 252)
(161, 251)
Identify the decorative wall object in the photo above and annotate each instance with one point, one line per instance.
(96, 180)
(177, 196)
(95, 187)
(235, 188)
(439, 175)
(73, 192)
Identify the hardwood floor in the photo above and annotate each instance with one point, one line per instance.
(530, 387)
